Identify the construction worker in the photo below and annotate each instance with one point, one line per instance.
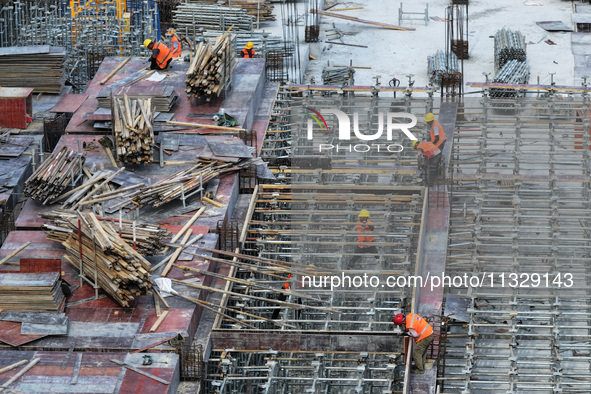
(161, 55)
(365, 227)
(247, 52)
(437, 134)
(422, 331)
(175, 44)
(428, 159)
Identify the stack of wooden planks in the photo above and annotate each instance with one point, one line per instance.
(54, 175)
(133, 121)
(31, 292)
(211, 68)
(163, 96)
(121, 271)
(40, 67)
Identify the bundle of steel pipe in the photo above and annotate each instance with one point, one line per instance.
(509, 45)
(212, 18)
(440, 64)
(513, 72)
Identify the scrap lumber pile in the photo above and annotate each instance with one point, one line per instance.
(211, 68)
(193, 17)
(182, 183)
(163, 96)
(31, 292)
(133, 121)
(40, 67)
(54, 175)
(509, 45)
(121, 271)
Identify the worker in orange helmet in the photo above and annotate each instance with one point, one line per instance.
(428, 159)
(418, 328)
(161, 55)
(248, 51)
(437, 134)
(175, 44)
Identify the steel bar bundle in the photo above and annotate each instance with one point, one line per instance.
(211, 18)
(54, 175)
(133, 121)
(180, 185)
(211, 69)
(513, 72)
(31, 291)
(338, 75)
(39, 67)
(509, 45)
(106, 257)
(439, 64)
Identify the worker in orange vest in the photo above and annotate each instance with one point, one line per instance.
(422, 331)
(161, 55)
(429, 157)
(175, 44)
(437, 134)
(247, 52)
(365, 227)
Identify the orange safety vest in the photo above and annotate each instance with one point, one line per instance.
(364, 238)
(175, 46)
(247, 53)
(163, 55)
(437, 129)
(418, 324)
(286, 284)
(429, 149)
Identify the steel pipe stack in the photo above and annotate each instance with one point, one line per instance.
(338, 76)
(194, 17)
(439, 64)
(509, 45)
(514, 72)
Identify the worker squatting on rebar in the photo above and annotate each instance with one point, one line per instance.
(161, 55)
(415, 326)
(429, 159)
(436, 133)
(365, 227)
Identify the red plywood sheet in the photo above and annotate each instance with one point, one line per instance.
(134, 383)
(40, 265)
(70, 103)
(10, 333)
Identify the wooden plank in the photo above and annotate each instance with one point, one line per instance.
(12, 366)
(76, 369)
(158, 321)
(110, 75)
(14, 253)
(20, 373)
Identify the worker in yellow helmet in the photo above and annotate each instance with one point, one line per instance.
(429, 160)
(248, 51)
(364, 239)
(437, 134)
(161, 55)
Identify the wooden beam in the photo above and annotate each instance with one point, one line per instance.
(14, 253)
(119, 67)
(158, 321)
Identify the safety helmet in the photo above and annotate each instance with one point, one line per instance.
(398, 319)
(415, 143)
(249, 45)
(364, 213)
(147, 42)
(429, 117)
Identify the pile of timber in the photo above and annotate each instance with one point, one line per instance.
(40, 67)
(162, 96)
(189, 17)
(211, 68)
(54, 175)
(121, 271)
(182, 183)
(133, 121)
(31, 292)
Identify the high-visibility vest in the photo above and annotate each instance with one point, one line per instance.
(437, 130)
(175, 45)
(248, 53)
(163, 55)
(429, 149)
(364, 238)
(286, 284)
(420, 325)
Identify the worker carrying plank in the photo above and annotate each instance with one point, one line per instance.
(248, 51)
(365, 227)
(175, 44)
(161, 55)
(429, 159)
(418, 328)
(436, 134)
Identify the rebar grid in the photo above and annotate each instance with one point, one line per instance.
(520, 216)
(303, 372)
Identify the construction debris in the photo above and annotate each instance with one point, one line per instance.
(59, 170)
(40, 67)
(133, 121)
(31, 292)
(211, 69)
(102, 252)
(509, 45)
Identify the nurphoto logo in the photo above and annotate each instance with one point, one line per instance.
(344, 128)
